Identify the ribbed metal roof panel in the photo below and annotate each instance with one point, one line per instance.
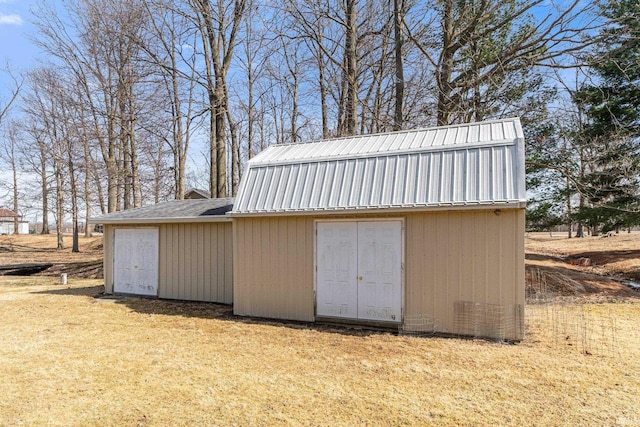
(473, 164)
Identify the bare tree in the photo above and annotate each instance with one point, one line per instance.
(14, 91)
(164, 44)
(482, 42)
(253, 61)
(218, 23)
(35, 155)
(11, 136)
(104, 58)
(10, 155)
(44, 104)
(311, 23)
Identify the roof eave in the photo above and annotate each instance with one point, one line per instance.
(391, 209)
(142, 221)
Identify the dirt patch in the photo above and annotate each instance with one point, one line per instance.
(585, 266)
(42, 250)
(80, 270)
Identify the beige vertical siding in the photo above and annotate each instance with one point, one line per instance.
(451, 257)
(464, 256)
(273, 267)
(195, 261)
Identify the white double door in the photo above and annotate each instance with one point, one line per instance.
(135, 261)
(359, 270)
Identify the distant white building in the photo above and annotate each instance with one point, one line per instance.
(7, 219)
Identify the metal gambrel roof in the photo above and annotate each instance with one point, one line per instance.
(477, 164)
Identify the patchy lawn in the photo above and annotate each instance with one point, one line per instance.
(68, 358)
(586, 266)
(17, 248)
(22, 249)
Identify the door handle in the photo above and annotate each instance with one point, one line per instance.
(359, 277)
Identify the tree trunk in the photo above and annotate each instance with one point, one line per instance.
(324, 109)
(112, 177)
(235, 158)
(294, 108)
(87, 189)
(135, 174)
(125, 167)
(569, 212)
(351, 54)
(398, 29)
(75, 247)
(59, 205)
(45, 188)
(213, 152)
(250, 118)
(16, 222)
(443, 74)
(14, 170)
(342, 103)
(221, 143)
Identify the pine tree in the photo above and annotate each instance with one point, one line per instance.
(612, 108)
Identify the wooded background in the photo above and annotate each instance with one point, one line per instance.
(140, 99)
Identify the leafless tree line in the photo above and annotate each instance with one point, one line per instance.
(132, 89)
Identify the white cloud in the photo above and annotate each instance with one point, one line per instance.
(10, 19)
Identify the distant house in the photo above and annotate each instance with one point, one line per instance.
(7, 220)
(196, 193)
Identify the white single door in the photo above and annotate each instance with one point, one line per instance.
(380, 270)
(359, 270)
(336, 277)
(135, 261)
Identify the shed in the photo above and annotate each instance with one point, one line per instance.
(196, 193)
(422, 230)
(180, 249)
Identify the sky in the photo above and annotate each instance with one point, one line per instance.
(15, 47)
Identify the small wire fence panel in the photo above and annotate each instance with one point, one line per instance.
(418, 325)
(576, 327)
(490, 321)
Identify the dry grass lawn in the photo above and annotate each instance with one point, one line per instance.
(68, 358)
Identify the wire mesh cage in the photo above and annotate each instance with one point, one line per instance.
(417, 325)
(489, 321)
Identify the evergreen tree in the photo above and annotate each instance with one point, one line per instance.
(612, 108)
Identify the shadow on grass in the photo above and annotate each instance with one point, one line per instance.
(89, 291)
(223, 312)
(542, 257)
(202, 310)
